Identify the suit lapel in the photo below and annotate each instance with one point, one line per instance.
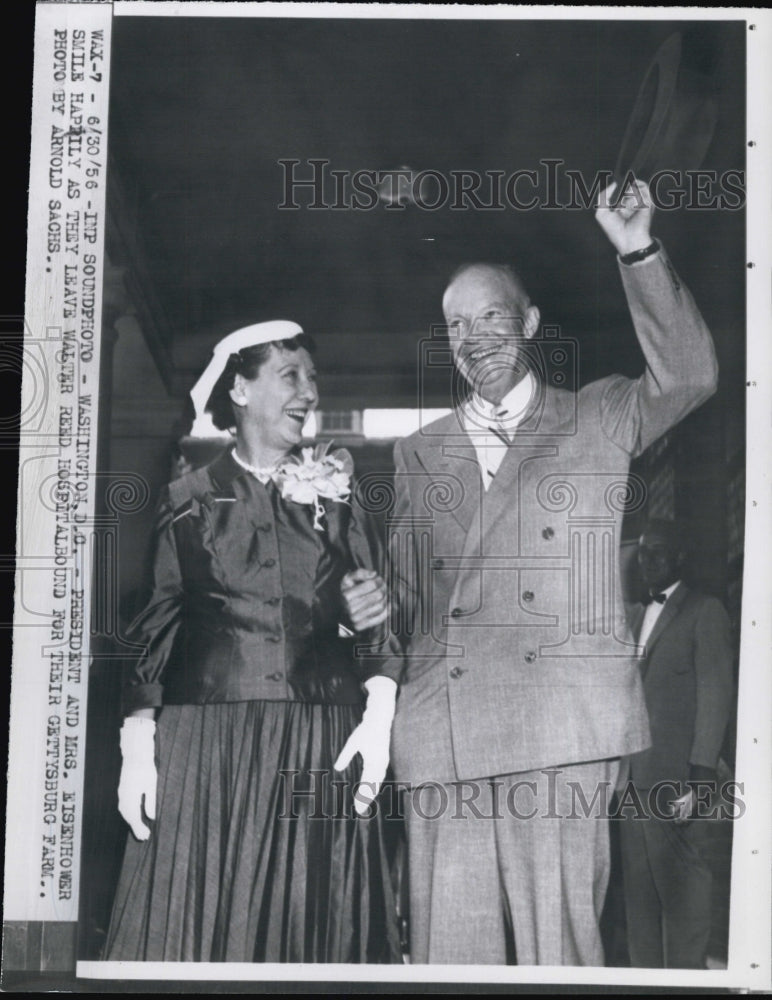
(450, 453)
(234, 493)
(672, 607)
(544, 417)
(636, 620)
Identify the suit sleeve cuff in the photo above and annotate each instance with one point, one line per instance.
(699, 772)
(389, 667)
(142, 696)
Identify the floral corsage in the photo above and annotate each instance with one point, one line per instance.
(315, 475)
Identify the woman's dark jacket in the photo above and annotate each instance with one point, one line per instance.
(213, 629)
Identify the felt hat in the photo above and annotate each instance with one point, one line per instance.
(675, 112)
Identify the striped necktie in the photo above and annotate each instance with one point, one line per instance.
(498, 425)
(496, 449)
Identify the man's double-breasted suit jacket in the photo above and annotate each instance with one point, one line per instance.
(515, 653)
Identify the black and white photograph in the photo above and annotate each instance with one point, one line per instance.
(391, 594)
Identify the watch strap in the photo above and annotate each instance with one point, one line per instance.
(642, 254)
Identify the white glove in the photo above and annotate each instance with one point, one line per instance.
(371, 739)
(138, 774)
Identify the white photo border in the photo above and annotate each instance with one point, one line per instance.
(749, 966)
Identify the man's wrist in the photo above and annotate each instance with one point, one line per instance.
(634, 256)
(700, 772)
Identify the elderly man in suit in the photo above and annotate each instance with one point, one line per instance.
(688, 684)
(520, 688)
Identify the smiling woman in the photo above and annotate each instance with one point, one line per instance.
(257, 850)
(267, 391)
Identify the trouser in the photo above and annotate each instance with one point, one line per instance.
(667, 883)
(510, 869)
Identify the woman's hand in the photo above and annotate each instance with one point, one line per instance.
(138, 773)
(371, 739)
(364, 597)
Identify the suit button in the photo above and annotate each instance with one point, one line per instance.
(456, 672)
(273, 638)
(530, 656)
(269, 562)
(439, 563)
(265, 527)
(274, 677)
(528, 595)
(548, 533)
(456, 613)
(273, 601)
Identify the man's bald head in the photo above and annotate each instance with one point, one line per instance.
(505, 273)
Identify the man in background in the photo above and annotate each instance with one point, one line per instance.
(687, 674)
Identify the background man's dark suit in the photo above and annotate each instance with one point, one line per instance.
(688, 684)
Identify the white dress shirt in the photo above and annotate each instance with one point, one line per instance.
(482, 420)
(652, 613)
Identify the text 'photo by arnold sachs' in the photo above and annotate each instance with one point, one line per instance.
(420, 644)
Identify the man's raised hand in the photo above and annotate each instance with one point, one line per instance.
(628, 223)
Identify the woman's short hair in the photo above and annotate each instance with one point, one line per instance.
(247, 362)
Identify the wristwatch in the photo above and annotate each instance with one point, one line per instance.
(642, 254)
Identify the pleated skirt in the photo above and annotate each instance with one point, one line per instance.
(256, 854)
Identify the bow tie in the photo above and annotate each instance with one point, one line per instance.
(659, 598)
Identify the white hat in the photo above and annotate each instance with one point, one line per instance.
(247, 336)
